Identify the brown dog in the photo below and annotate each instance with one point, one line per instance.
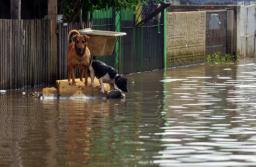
(79, 55)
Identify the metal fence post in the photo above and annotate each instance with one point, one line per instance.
(117, 28)
(164, 38)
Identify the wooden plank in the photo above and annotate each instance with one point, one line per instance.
(39, 68)
(26, 53)
(52, 13)
(43, 53)
(24, 62)
(20, 50)
(49, 92)
(48, 39)
(31, 48)
(10, 48)
(14, 53)
(2, 53)
(49, 52)
(66, 90)
(78, 91)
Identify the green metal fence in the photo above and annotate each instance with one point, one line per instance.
(141, 49)
(104, 20)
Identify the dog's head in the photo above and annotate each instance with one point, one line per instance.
(81, 42)
(121, 83)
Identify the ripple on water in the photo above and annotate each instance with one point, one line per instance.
(168, 80)
(202, 116)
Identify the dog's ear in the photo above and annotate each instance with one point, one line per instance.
(86, 38)
(73, 38)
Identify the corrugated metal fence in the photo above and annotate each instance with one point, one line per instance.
(142, 47)
(25, 53)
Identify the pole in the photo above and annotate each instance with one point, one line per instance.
(117, 28)
(164, 46)
(52, 13)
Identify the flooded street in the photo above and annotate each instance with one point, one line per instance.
(197, 116)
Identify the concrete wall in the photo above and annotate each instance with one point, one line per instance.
(186, 33)
(246, 30)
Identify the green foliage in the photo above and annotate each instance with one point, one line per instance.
(218, 58)
(70, 8)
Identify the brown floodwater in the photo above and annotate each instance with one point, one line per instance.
(203, 115)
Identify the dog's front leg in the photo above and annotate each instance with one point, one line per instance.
(85, 69)
(73, 76)
(92, 82)
(101, 85)
(81, 73)
(92, 75)
(69, 75)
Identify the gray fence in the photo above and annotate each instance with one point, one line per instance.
(25, 57)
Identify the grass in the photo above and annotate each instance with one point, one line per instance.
(217, 58)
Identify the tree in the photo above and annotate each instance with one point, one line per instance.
(72, 8)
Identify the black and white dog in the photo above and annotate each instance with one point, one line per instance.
(107, 74)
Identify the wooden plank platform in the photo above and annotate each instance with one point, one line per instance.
(79, 90)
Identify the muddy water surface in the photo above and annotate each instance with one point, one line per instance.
(203, 115)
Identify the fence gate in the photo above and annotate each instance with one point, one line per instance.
(247, 31)
(216, 32)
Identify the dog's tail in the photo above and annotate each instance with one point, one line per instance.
(72, 34)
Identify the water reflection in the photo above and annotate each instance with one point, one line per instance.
(207, 117)
(192, 116)
(20, 142)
